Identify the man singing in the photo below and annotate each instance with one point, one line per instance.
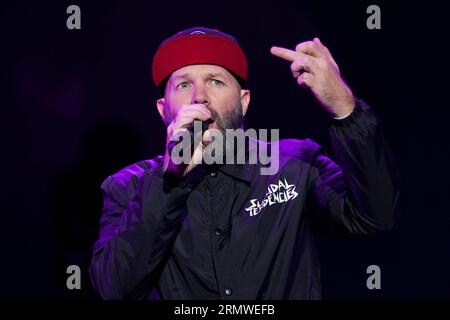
(173, 230)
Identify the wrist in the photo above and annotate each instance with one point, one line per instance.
(344, 106)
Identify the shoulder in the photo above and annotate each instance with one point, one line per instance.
(299, 147)
(122, 184)
(303, 150)
(287, 154)
(306, 155)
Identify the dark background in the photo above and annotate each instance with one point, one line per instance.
(78, 105)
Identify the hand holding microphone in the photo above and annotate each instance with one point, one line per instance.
(184, 124)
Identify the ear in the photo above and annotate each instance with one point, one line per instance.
(245, 100)
(161, 105)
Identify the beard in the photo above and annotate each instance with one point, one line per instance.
(233, 119)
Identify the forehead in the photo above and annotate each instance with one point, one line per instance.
(200, 70)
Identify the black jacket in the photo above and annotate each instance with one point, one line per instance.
(231, 233)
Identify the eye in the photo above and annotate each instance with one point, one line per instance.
(216, 83)
(183, 85)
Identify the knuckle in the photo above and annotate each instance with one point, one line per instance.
(182, 112)
(180, 116)
(297, 63)
(293, 66)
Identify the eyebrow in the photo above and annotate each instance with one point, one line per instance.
(209, 75)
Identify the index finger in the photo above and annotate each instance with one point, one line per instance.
(197, 106)
(284, 53)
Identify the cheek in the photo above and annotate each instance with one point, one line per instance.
(226, 101)
(174, 104)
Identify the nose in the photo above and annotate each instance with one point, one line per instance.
(200, 95)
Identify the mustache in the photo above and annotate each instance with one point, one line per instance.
(214, 114)
(231, 119)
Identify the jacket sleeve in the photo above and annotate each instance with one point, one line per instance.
(139, 223)
(358, 195)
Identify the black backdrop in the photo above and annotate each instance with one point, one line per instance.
(77, 105)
